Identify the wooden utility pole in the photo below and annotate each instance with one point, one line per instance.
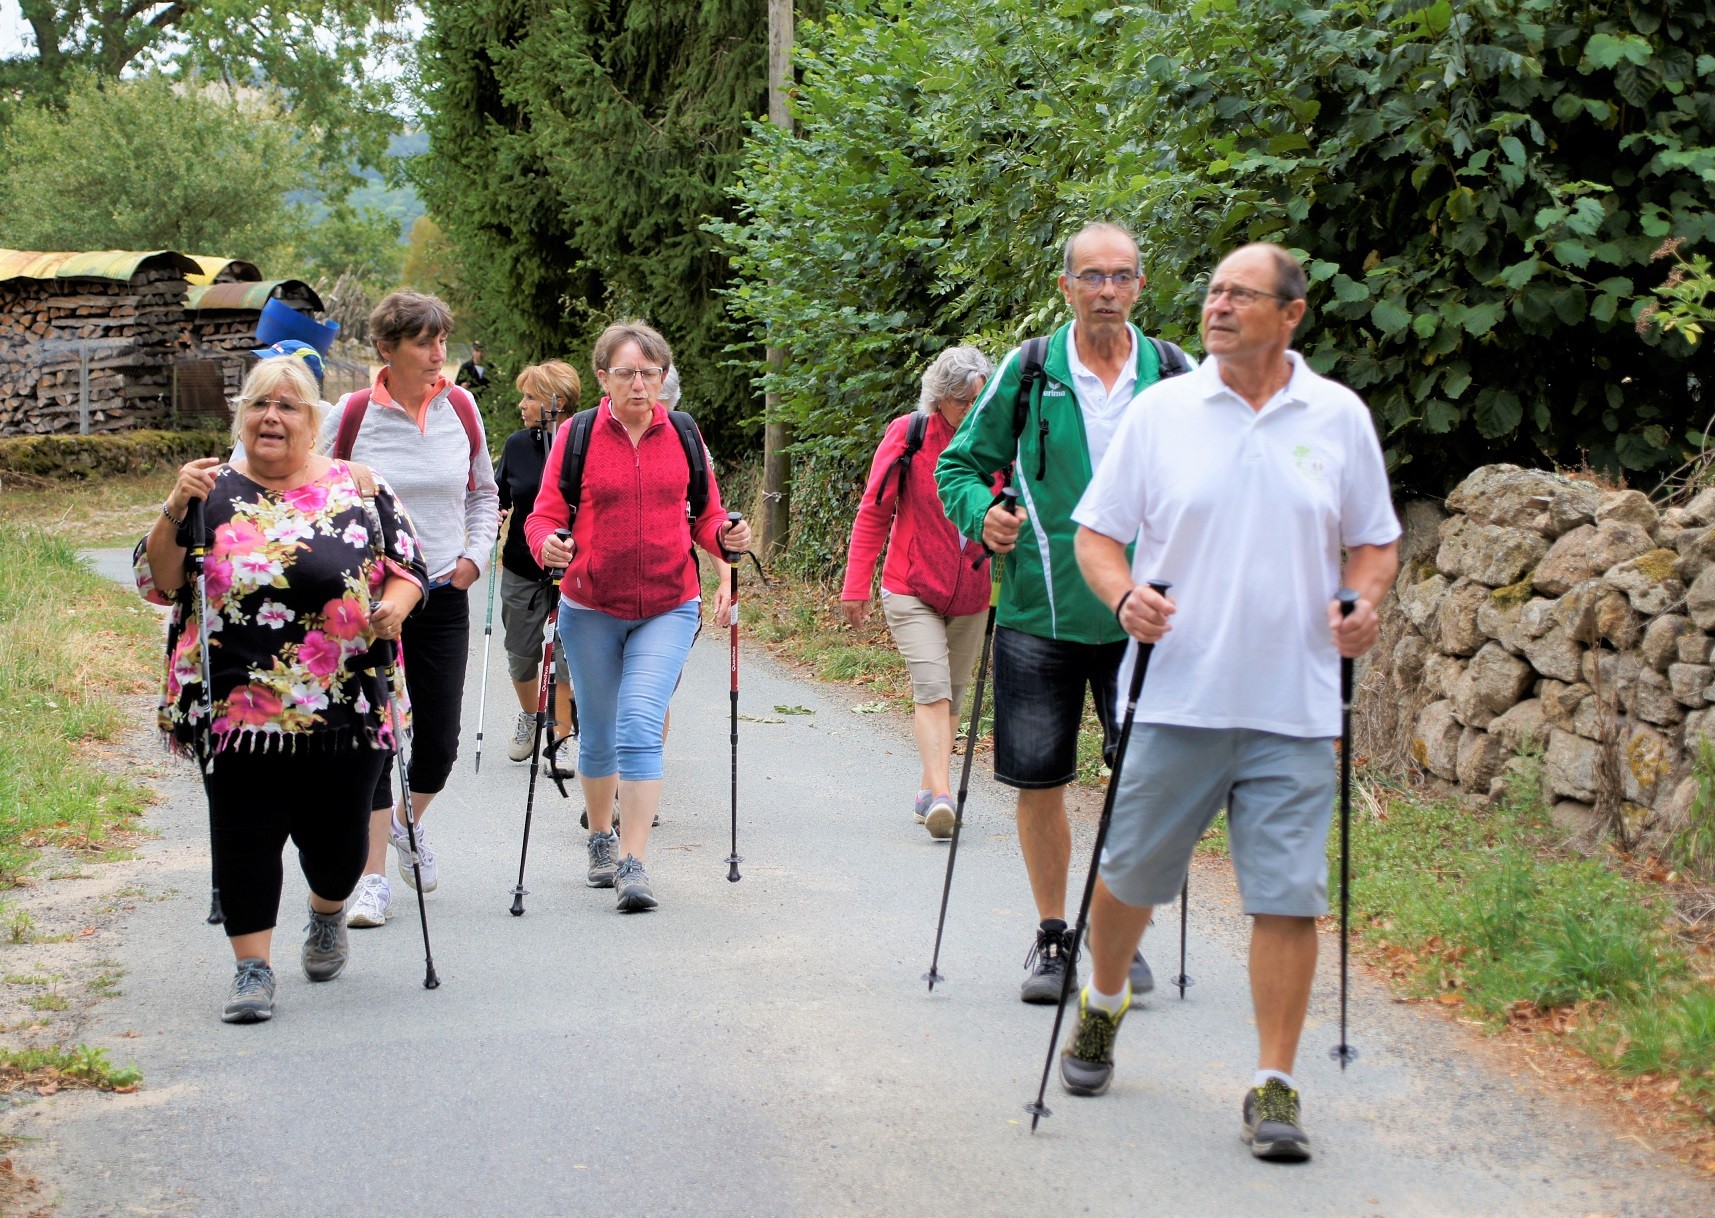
(776, 465)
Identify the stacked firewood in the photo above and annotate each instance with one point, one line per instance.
(123, 336)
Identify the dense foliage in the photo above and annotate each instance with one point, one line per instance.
(578, 147)
(1478, 188)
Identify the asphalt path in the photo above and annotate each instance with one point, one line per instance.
(761, 1048)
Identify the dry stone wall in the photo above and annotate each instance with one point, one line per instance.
(1541, 609)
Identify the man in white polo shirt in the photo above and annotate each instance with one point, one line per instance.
(1241, 483)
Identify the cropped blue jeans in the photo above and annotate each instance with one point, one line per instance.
(624, 673)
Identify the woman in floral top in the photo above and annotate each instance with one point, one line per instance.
(304, 576)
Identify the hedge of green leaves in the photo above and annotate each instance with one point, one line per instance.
(1477, 187)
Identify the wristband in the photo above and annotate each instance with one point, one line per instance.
(1122, 602)
(176, 521)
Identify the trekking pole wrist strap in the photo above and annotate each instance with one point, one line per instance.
(1121, 604)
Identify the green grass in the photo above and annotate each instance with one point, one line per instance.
(82, 1064)
(101, 514)
(1481, 910)
(71, 643)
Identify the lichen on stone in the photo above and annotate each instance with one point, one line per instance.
(1514, 595)
(1658, 564)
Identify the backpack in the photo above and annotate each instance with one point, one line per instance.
(1171, 359)
(357, 405)
(577, 448)
(914, 433)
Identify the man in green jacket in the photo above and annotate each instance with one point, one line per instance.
(1053, 638)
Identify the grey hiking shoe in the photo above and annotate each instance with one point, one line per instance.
(251, 998)
(328, 946)
(940, 817)
(602, 862)
(523, 740)
(631, 882)
(1271, 1124)
(1048, 962)
(1087, 1061)
(921, 812)
(1142, 980)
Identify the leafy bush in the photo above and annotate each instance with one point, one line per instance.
(128, 452)
(1477, 189)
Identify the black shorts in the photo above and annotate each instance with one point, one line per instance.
(1039, 701)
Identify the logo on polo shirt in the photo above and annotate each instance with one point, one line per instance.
(1312, 464)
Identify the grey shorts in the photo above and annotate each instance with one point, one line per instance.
(524, 608)
(1279, 795)
(939, 651)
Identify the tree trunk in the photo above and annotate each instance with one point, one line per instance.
(776, 464)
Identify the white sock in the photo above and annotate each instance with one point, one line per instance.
(1111, 1003)
(1262, 1076)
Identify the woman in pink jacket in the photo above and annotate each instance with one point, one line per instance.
(933, 598)
(629, 600)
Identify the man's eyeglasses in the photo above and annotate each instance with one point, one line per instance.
(649, 375)
(1093, 280)
(1238, 297)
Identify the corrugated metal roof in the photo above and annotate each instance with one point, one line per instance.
(215, 269)
(250, 297)
(117, 265)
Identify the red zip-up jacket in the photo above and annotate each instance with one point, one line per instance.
(633, 542)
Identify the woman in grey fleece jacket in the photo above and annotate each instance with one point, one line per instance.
(412, 435)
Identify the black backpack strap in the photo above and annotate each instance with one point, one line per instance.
(696, 456)
(1172, 360)
(1030, 358)
(572, 463)
(915, 431)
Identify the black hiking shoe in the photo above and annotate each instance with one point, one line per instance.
(1087, 1061)
(1142, 980)
(327, 947)
(1047, 962)
(1271, 1124)
(251, 998)
(602, 862)
(631, 883)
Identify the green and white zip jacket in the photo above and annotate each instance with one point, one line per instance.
(1043, 592)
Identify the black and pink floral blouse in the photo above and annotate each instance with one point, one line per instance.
(291, 575)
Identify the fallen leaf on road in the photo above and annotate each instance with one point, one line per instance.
(1450, 1000)
(760, 719)
(869, 708)
(792, 710)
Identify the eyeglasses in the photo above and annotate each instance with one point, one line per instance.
(1238, 297)
(284, 407)
(650, 375)
(1093, 280)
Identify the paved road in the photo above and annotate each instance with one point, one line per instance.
(762, 1048)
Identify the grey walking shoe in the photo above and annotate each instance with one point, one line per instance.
(1048, 962)
(1271, 1124)
(631, 882)
(940, 817)
(1142, 980)
(602, 862)
(328, 946)
(1087, 1061)
(523, 737)
(251, 998)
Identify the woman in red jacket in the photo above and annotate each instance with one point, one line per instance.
(933, 599)
(629, 600)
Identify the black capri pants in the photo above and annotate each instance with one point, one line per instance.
(436, 640)
(319, 798)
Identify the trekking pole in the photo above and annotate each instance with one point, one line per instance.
(544, 720)
(1140, 666)
(430, 980)
(1344, 1052)
(1009, 496)
(487, 648)
(732, 557)
(1184, 978)
(205, 746)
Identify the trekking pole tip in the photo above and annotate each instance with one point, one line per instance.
(732, 875)
(432, 981)
(518, 895)
(1037, 1111)
(1184, 982)
(932, 977)
(1344, 1054)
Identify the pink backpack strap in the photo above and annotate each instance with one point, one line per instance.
(356, 406)
(465, 407)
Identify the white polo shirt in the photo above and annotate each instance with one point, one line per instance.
(1101, 406)
(1245, 512)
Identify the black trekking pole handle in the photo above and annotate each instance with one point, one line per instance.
(1009, 497)
(1343, 1052)
(556, 574)
(1140, 667)
(732, 556)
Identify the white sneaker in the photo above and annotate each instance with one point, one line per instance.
(425, 857)
(523, 737)
(374, 895)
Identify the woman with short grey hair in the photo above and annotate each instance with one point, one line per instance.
(935, 584)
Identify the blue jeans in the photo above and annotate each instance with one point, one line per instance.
(624, 672)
